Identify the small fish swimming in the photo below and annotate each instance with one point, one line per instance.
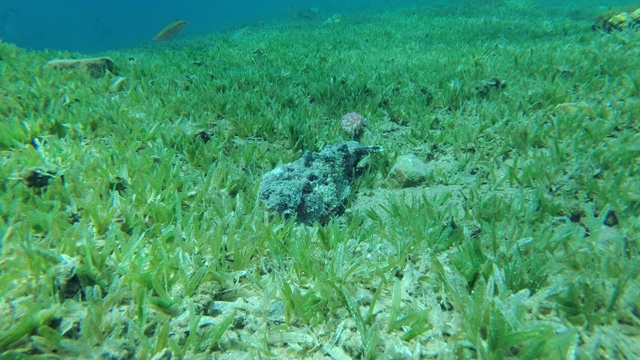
(170, 31)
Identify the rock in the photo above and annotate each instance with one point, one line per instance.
(408, 171)
(617, 21)
(96, 67)
(396, 350)
(117, 350)
(165, 354)
(314, 187)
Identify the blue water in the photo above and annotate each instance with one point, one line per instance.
(90, 26)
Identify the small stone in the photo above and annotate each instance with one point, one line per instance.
(39, 178)
(117, 350)
(165, 354)
(396, 350)
(96, 67)
(408, 171)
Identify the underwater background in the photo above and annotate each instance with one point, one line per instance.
(92, 26)
(320, 180)
(87, 26)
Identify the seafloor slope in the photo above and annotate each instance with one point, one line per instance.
(130, 226)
